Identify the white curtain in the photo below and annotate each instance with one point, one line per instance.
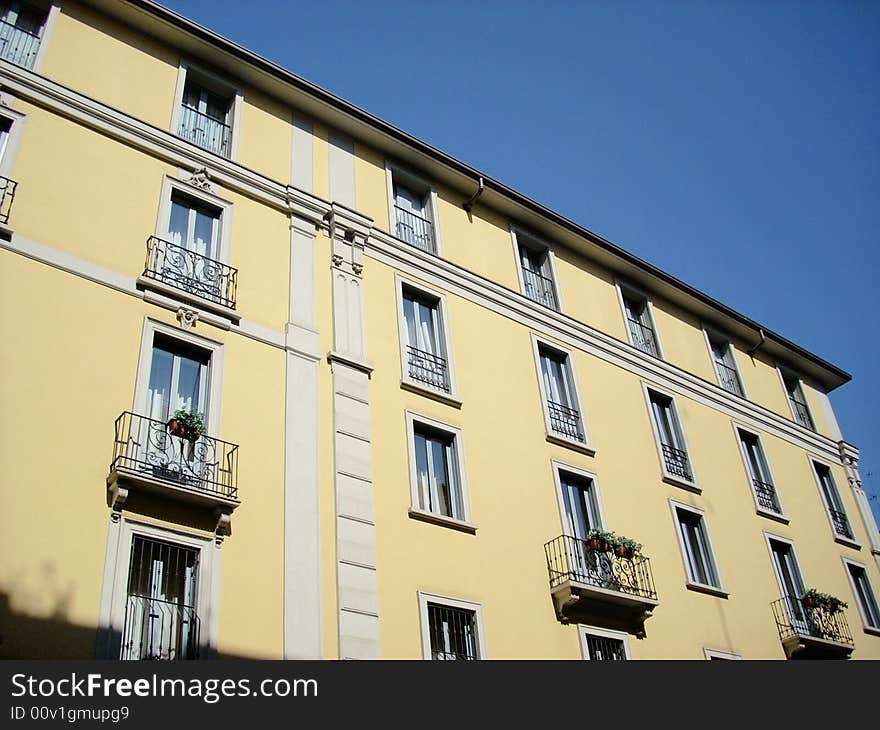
(556, 381)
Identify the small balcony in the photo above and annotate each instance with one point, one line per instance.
(590, 583)
(677, 462)
(565, 421)
(428, 368)
(159, 629)
(7, 196)
(801, 413)
(204, 130)
(643, 337)
(765, 493)
(414, 229)
(811, 632)
(729, 379)
(150, 461)
(17, 45)
(539, 288)
(841, 524)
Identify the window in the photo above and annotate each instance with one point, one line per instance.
(579, 504)
(207, 111)
(832, 501)
(536, 270)
(640, 323)
(11, 123)
(603, 645)
(560, 394)
(670, 438)
(759, 472)
(791, 582)
(413, 210)
(161, 618)
(797, 400)
(865, 595)
(451, 629)
(725, 364)
(21, 26)
(437, 474)
(697, 550)
(717, 654)
(425, 358)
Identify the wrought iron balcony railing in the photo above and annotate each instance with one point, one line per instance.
(414, 229)
(801, 413)
(565, 421)
(18, 45)
(766, 496)
(191, 272)
(677, 462)
(158, 629)
(428, 368)
(643, 337)
(794, 619)
(7, 196)
(204, 130)
(841, 524)
(144, 446)
(729, 379)
(539, 288)
(570, 559)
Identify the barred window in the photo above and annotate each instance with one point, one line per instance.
(604, 648)
(453, 632)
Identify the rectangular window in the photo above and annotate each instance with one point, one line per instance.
(865, 595)
(797, 400)
(414, 214)
(536, 270)
(604, 648)
(21, 26)
(642, 334)
(725, 364)
(833, 503)
(438, 482)
(697, 550)
(453, 633)
(205, 116)
(581, 510)
(759, 472)
(671, 437)
(425, 347)
(560, 394)
(791, 583)
(161, 618)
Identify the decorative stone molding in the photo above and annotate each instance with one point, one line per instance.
(849, 456)
(116, 497)
(187, 318)
(201, 179)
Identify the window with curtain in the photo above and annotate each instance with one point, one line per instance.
(178, 379)
(204, 117)
(672, 446)
(426, 352)
(759, 471)
(412, 208)
(833, 502)
(797, 400)
(698, 553)
(438, 484)
(194, 226)
(562, 405)
(867, 601)
(639, 323)
(579, 502)
(21, 26)
(725, 365)
(537, 275)
(789, 574)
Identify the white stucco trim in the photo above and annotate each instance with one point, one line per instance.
(535, 242)
(812, 460)
(558, 467)
(720, 589)
(426, 598)
(781, 515)
(693, 484)
(720, 654)
(394, 168)
(709, 332)
(46, 36)
(866, 625)
(625, 288)
(780, 584)
(9, 154)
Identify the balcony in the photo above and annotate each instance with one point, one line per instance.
(201, 279)
(841, 524)
(7, 196)
(565, 421)
(158, 629)
(677, 462)
(643, 337)
(729, 379)
(539, 288)
(414, 229)
(428, 368)
(149, 460)
(811, 632)
(590, 585)
(17, 45)
(801, 413)
(766, 495)
(205, 131)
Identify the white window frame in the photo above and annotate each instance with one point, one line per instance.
(843, 540)
(692, 485)
(426, 598)
(780, 584)
(786, 371)
(416, 511)
(215, 349)
(584, 629)
(115, 586)
(451, 397)
(405, 174)
(219, 85)
(781, 516)
(711, 333)
(719, 590)
(719, 654)
(585, 446)
(9, 152)
(847, 562)
(561, 466)
(521, 236)
(625, 288)
(52, 11)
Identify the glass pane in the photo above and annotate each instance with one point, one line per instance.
(427, 332)
(437, 454)
(421, 449)
(178, 224)
(204, 234)
(189, 385)
(579, 511)
(160, 384)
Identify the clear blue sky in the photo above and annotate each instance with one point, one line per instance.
(733, 144)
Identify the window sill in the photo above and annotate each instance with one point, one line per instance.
(872, 631)
(709, 590)
(847, 542)
(581, 446)
(167, 292)
(429, 392)
(777, 516)
(679, 482)
(443, 521)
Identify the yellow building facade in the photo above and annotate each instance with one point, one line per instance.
(280, 381)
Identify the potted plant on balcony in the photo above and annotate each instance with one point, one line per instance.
(187, 424)
(601, 540)
(627, 548)
(814, 599)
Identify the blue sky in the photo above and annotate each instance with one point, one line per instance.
(733, 144)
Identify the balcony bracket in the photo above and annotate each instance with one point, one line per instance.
(116, 496)
(223, 528)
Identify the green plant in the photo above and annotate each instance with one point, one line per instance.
(632, 546)
(830, 603)
(614, 541)
(602, 536)
(193, 423)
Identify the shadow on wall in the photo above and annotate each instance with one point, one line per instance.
(23, 636)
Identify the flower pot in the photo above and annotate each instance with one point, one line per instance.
(604, 546)
(176, 428)
(808, 602)
(625, 552)
(594, 543)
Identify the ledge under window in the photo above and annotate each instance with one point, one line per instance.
(679, 482)
(428, 392)
(778, 516)
(442, 520)
(847, 542)
(581, 446)
(710, 590)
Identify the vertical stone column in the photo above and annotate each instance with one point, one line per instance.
(355, 527)
(849, 455)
